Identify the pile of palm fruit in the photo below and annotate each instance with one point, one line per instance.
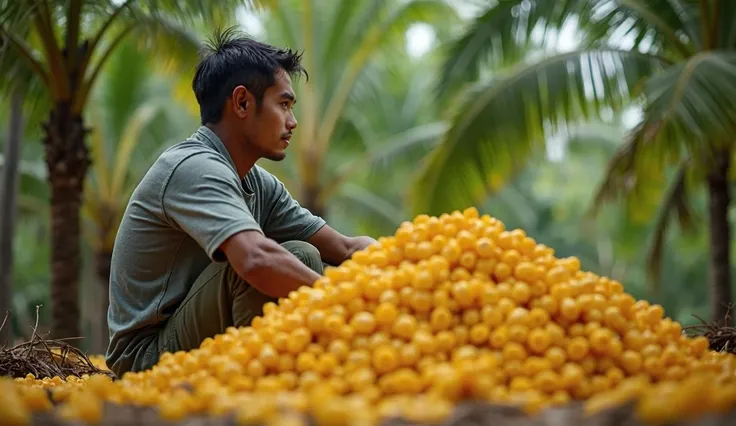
(449, 309)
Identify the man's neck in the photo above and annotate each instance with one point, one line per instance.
(243, 161)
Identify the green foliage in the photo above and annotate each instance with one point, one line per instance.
(548, 199)
(135, 120)
(476, 114)
(31, 248)
(501, 123)
(672, 59)
(350, 51)
(30, 273)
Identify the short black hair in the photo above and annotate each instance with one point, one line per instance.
(230, 59)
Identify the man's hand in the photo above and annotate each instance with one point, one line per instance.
(265, 265)
(335, 247)
(359, 243)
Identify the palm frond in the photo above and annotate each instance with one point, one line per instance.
(100, 34)
(20, 62)
(343, 37)
(346, 17)
(285, 29)
(24, 53)
(408, 146)
(130, 137)
(377, 36)
(414, 98)
(513, 202)
(687, 118)
(122, 86)
(193, 12)
(501, 123)
(502, 36)
(692, 103)
(638, 180)
(597, 135)
(368, 203)
(667, 24)
(179, 45)
(14, 74)
(100, 172)
(45, 25)
(512, 29)
(361, 125)
(688, 114)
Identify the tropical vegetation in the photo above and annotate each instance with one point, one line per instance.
(494, 114)
(675, 61)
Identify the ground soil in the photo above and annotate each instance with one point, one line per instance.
(468, 414)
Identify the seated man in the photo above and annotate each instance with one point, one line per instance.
(208, 237)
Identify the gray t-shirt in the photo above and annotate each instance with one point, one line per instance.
(188, 203)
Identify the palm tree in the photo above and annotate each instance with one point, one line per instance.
(65, 44)
(345, 45)
(675, 59)
(133, 122)
(548, 199)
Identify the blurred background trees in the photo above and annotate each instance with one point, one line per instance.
(419, 106)
(674, 61)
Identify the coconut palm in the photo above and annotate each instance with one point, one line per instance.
(675, 59)
(62, 46)
(548, 199)
(345, 45)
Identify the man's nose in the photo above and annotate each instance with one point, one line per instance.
(291, 122)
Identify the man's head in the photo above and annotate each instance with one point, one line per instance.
(244, 87)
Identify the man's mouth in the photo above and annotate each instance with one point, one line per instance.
(286, 139)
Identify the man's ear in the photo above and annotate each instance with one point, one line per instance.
(240, 101)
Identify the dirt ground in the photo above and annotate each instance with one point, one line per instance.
(468, 414)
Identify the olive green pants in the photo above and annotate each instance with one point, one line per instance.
(218, 299)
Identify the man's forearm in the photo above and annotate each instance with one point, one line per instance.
(276, 272)
(336, 248)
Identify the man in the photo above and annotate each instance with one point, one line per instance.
(208, 237)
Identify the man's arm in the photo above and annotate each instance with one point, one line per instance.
(265, 265)
(204, 199)
(335, 247)
(287, 220)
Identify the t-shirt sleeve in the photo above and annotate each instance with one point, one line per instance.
(203, 198)
(285, 218)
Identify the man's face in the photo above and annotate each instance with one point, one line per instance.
(269, 127)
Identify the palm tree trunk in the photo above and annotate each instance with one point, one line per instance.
(103, 258)
(67, 159)
(8, 196)
(720, 239)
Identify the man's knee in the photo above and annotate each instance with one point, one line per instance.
(306, 253)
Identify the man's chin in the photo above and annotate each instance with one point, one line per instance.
(276, 156)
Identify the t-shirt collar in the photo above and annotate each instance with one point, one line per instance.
(209, 137)
(206, 135)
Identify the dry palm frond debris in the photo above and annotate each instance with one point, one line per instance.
(721, 336)
(45, 358)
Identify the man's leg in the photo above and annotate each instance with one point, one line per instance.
(218, 299)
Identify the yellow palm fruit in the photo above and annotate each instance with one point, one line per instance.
(447, 308)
